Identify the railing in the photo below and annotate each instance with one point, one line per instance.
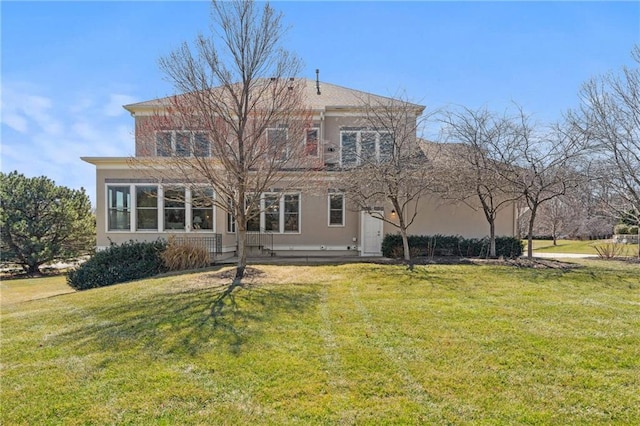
(213, 244)
(625, 238)
(263, 240)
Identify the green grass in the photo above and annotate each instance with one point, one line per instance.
(359, 343)
(576, 246)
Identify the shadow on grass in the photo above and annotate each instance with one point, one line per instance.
(190, 321)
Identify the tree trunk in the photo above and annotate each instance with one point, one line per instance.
(242, 253)
(530, 235)
(492, 239)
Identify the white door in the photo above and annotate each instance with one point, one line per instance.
(370, 235)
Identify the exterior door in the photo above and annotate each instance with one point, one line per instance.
(370, 235)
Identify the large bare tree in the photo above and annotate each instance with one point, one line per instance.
(480, 148)
(609, 116)
(385, 163)
(242, 110)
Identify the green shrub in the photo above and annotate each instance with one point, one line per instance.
(450, 245)
(129, 261)
(621, 229)
(183, 256)
(633, 230)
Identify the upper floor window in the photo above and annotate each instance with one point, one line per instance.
(311, 141)
(182, 144)
(361, 146)
(277, 142)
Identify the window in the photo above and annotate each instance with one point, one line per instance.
(291, 212)
(146, 208)
(311, 142)
(119, 208)
(182, 144)
(163, 144)
(174, 211)
(336, 209)
(202, 209)
(272, 213)
(279, 213)
(361, 146)
(253, 215)
(277, 143)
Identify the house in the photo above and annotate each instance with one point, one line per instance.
(135, 206)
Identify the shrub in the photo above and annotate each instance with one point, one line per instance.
(450, 245)
(633, 230)
(621, 229)
(609, 250)
(181, 256)
(126, 262)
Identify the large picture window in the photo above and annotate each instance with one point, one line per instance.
(147, 208)
(182, 144)
(361, 146)
(119, 208)
(174, 210)
(336, 209)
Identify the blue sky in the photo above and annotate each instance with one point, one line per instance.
(68, 67)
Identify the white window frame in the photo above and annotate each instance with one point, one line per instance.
(359, 133)
(189, 197)
(281, 213)
(336, 225)
(174, 138)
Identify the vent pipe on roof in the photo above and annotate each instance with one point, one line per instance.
(317, 81)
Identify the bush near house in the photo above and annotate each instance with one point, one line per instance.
(119, 263)
(450, 245)
(184, 256)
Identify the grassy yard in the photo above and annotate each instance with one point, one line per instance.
(359, 343)
(576, 246)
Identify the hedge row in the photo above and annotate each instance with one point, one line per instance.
(450, 245)
(117, 264)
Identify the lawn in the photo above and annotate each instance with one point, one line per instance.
(577, 246)
(358, 343)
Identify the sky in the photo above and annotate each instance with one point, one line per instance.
(68, 67)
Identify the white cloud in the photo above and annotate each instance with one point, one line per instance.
(114, 107)
(44, 135)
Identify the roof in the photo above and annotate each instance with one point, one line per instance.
(331, 97)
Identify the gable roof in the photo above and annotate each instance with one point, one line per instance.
(331, 97)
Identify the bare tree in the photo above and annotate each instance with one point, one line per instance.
(480, 145)
(241, 109)
(387, 165)
(544, 166)
(609, 116)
